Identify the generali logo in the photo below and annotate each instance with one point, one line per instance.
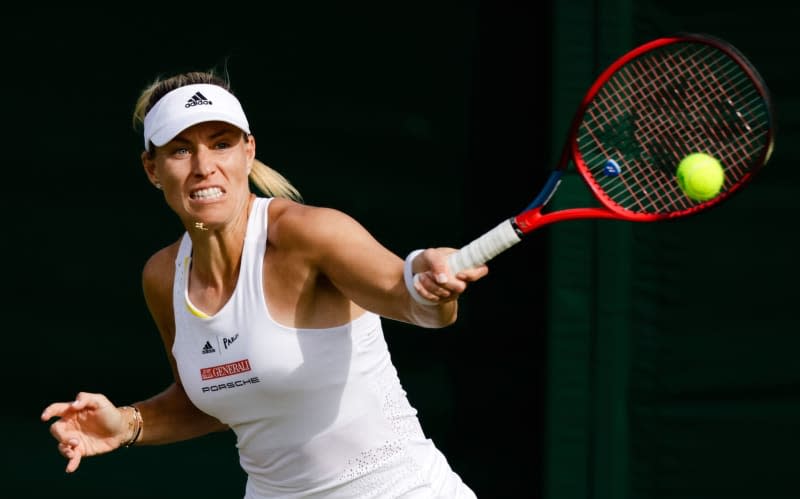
(222, 370)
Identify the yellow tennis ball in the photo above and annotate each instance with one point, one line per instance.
(700, 176)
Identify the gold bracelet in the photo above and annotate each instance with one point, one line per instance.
(137, 422)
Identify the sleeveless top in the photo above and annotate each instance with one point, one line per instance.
(317, 413)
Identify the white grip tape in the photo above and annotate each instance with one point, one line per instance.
(476, 253)
(484, 248)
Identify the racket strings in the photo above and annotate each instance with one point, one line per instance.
(660, 107)
(722, 121)
(700, 124)
(663, 153)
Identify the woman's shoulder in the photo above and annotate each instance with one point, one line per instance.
(282, 210)
(157, 278)
(164, 256)
(293, 222)
(161, 265)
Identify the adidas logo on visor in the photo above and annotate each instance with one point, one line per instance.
(197, 99)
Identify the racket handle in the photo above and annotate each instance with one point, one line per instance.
(484, 248)
(474, 254)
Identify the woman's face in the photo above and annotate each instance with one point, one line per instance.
(204, 172)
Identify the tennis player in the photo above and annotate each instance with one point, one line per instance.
(270, 311)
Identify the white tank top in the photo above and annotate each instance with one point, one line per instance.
(318, 413)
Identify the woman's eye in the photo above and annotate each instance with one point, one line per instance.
(223, 145)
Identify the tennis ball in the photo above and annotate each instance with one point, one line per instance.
(700, 176)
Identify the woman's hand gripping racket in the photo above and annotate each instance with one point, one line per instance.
(652, 107)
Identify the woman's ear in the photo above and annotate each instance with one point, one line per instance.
(150, 169)
(250, 148)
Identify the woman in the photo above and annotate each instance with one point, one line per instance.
(270, 310)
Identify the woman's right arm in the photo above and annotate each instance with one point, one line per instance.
(92, 425)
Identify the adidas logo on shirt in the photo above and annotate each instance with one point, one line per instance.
(207, 348)
(198, 99)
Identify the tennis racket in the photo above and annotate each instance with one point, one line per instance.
(653, 106)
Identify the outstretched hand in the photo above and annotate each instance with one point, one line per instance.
(88, 426)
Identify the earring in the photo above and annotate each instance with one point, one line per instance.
(158, 185)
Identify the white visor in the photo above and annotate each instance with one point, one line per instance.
(189, 105)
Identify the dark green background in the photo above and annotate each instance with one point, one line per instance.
(599, 359)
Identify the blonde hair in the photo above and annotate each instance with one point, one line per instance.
(262, 177)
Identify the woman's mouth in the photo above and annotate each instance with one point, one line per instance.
(208, 193)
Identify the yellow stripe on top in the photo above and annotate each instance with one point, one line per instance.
(191, 308)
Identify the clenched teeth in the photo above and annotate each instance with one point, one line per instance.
(210, 193)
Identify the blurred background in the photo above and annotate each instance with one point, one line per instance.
(598, 360)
